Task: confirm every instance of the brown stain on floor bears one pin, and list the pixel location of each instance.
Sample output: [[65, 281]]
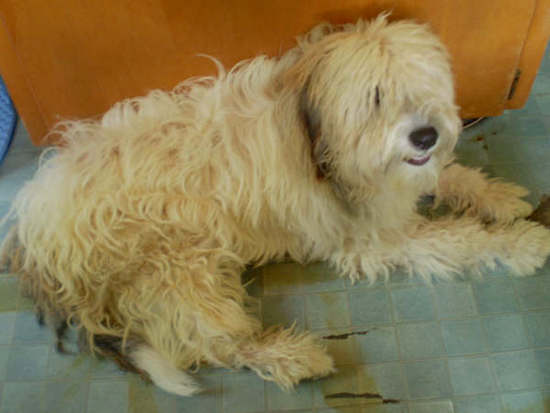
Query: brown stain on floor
[[351, 388], [481, 138], [345, 335], [542, 213], [368, 396]]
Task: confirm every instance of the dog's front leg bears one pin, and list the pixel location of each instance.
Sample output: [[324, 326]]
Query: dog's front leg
[[472, 192], [448, 247]]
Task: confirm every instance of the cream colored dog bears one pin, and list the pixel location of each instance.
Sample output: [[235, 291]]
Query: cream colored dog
[[139, 227]]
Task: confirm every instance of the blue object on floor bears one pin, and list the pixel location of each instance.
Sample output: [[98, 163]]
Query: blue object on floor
[[8, 120]]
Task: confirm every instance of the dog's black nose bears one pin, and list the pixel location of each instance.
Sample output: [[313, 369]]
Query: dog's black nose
[[424, 138]]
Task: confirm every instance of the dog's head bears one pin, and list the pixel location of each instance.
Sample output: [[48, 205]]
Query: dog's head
[[377, 100]]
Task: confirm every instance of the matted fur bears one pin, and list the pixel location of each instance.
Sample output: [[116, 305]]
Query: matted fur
[[140, 225]]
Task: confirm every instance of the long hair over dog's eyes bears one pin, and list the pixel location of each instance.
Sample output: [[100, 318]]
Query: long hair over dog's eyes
[[377, 97]]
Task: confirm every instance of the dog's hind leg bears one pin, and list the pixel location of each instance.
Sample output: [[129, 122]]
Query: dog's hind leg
[[470, 191], [204, 318], [234, 338], [231, 335]]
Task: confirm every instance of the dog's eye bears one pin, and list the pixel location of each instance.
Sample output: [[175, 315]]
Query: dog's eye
[[377, 97]]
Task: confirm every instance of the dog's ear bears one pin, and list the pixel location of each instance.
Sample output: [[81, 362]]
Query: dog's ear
[[297, 79], [309, 115], [311, 119]]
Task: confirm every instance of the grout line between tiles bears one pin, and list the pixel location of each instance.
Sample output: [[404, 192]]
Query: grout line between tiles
[[492, 368], [530, 340], [404, 379]]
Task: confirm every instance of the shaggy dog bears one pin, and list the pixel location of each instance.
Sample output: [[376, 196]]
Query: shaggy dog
[[139, 227]]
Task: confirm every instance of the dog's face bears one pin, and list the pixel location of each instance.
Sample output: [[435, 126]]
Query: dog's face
[[377, 100]]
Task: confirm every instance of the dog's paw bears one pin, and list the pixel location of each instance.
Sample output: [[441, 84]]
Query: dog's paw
[[287, 357], [502, 202], [527, 247], [310, 362], [318, 362]]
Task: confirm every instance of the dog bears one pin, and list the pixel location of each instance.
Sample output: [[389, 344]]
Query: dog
[[139, 226]]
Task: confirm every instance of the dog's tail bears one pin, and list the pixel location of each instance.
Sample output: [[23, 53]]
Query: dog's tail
[[163, 373], [142, 359]]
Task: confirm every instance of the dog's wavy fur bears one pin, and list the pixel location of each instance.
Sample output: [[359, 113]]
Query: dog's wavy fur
[[141, 223]]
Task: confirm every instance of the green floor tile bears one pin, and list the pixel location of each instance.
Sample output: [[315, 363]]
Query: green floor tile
[[517, 370], [495, 297], [442, 406], [413, 304], [455, 300], [22, 397], [477, 404], [428, 379], [385, 379], [66, 396], [299, 398], [471, 376], [233, 400], [108, 396], [327, 310], [27, 362], [284, 310], [379, 345], [420, 340], [532, 402], [369, 306], [506, 332], [463, 337]]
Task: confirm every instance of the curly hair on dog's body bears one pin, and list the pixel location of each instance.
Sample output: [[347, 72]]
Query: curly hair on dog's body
[[140, 225]]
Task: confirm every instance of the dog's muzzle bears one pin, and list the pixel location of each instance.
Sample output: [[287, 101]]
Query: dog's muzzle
[[422, 139]]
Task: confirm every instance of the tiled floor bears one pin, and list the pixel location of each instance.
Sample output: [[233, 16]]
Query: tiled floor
[[463, 347]]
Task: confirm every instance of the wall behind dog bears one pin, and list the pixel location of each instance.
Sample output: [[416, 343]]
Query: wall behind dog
[[66, 59]]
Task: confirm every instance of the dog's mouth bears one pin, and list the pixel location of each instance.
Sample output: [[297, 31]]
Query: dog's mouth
[[419, 161]]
